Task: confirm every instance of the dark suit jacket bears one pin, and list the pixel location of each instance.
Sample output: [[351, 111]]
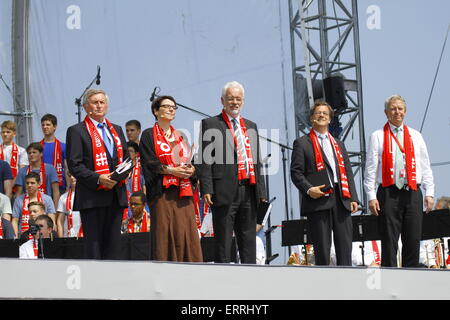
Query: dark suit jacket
[[304, 162], [81, 166], [153, 167], [218, 161]]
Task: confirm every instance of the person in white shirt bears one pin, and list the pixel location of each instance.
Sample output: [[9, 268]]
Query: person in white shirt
[[10, 152], [397, 167], [68, 221], [44, 224]]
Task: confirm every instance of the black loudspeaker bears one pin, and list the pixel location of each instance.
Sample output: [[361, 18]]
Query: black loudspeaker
[[335, 92]]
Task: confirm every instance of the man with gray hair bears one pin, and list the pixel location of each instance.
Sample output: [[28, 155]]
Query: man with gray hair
[[231, 181], [397, 166], [95, 147]]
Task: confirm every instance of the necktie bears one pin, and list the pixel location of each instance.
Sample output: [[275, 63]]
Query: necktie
[[240, 141], [106, 139], [326, 147], [399, 164]]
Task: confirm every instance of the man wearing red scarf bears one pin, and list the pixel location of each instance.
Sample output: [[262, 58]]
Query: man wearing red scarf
[[94, 149], [397, 165], [231, 181], [319, 154]]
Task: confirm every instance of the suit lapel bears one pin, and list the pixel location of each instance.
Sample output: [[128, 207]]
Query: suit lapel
[[228, 135]]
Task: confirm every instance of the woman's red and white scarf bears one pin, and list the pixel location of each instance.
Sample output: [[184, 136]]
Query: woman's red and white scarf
[[172, 156]]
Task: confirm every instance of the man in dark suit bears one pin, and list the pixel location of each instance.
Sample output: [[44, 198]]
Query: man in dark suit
[[230, 177], [94, 148], [326, 210]]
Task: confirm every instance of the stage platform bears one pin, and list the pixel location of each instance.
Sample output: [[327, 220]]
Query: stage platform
[[148, 280]]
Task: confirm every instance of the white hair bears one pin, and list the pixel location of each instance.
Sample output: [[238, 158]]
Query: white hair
[[394, 97], [232, 84], [92, 92]]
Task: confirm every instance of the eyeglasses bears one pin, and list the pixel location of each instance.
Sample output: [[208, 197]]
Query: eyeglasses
[[231, 99], [168, 106]]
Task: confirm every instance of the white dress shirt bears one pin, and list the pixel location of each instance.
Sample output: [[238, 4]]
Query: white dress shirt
[[373, 172], [99, 130], [326, 140]]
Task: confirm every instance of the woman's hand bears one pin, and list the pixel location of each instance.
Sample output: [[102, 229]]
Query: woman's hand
[[184, 172]]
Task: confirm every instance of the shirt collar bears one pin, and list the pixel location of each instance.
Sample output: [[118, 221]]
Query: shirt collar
[[238, 118], [393, 128], [95, 122], [320, 134]]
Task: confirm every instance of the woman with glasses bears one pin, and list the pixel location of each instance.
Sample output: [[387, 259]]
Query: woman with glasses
[[170, 179]]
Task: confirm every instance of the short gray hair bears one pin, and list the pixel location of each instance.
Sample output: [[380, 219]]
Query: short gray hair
[[92, 92], [232, 84], [394, 97]]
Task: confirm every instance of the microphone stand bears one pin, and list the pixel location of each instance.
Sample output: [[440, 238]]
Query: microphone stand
[[41, 244], [78, 100], [285, 189]]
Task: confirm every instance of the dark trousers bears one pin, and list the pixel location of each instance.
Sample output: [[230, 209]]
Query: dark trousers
[[101, 228], [401, 214], [322, 224], [239, 216]]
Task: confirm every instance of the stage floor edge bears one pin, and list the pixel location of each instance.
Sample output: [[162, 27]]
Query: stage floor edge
[[148, 280]]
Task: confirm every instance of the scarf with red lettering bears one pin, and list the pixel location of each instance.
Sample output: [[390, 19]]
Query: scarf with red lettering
[[242, 170], [136, 175], [99, 150], [43, 185], [166, 155], [133, 226], [25, 225], [197, 208], [376, 251], [320, 164], [14, 161], [57, 160], [69, 203], [387, 164]]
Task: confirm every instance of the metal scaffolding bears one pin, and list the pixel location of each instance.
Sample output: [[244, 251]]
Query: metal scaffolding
[[329, 44], [21, 90]]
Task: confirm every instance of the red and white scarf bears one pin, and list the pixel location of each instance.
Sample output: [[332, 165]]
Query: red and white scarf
[[320, 164], [14, 161], [25, 225], [136, 175], [165, 153], [43, 185], [133, 227], [242, 169], [69, 203], [99, 150], [57, 160], [387, 165]]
